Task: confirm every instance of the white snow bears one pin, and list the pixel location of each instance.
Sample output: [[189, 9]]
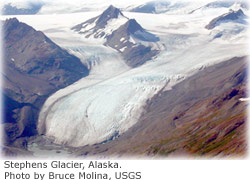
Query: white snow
[[111, 99], [122, 39], [236, 6], [244, 99], [131, 39], [122, 49], [114, 24]]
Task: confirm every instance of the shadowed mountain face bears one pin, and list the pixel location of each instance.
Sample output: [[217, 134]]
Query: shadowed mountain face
[[201, 116], [34, 68], [237, 16], [121, 33]]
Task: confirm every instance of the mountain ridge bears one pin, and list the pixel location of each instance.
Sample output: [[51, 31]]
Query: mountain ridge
[[34, 68]]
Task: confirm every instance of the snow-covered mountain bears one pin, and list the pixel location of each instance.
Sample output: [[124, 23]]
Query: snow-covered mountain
[[15, 9], [159, 7], [226, 4], [102, 25], [182, 7], [236, 16], [223, 5], [121, 33]]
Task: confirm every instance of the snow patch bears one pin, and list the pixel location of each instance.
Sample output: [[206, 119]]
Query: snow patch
[[244, 99], [131, 39], [122, 49]]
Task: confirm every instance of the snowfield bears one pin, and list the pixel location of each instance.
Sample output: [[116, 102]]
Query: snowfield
[[111, 99]]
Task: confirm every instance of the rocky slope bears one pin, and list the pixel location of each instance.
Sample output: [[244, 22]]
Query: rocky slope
[[121, 33], [34, 68], [204, 115]]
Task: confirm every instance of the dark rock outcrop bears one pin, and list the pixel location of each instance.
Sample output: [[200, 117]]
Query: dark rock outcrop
[[34, 68]]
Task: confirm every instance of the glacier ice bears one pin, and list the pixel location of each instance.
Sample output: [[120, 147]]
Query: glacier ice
[[111, 99]]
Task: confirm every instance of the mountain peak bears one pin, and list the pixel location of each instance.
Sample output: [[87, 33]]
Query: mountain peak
[[110, 13], [96, 26], [235, 14], [111, 8], [239, 12], [11, 21], [14, 24]]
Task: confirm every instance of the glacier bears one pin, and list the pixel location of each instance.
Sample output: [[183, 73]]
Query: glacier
[[112, 98]]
